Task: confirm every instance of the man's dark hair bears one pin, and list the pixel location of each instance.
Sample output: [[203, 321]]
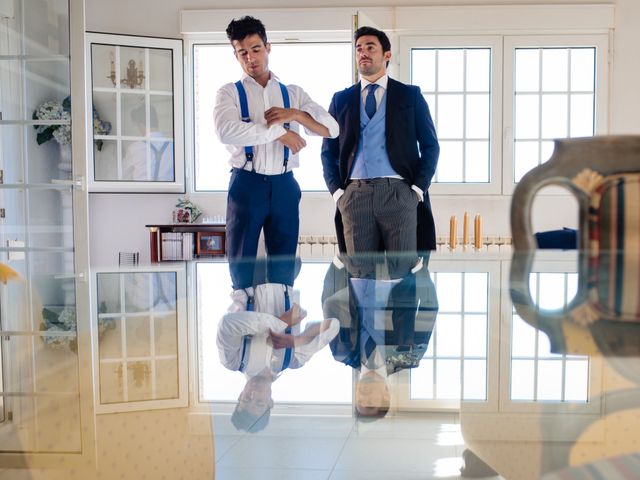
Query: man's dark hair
[[382, 37], [243, 420], [245, 26]]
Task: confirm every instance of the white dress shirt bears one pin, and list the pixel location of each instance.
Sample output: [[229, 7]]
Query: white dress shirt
[[379, 94], [235, 326], [380, 91], [268, 152]]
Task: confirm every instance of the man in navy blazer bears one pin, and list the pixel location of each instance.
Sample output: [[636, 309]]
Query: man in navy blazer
[[380, 167]]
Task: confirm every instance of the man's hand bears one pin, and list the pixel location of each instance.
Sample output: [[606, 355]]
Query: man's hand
[[294, 315], [278, 115], [292, 140], [282, 340]]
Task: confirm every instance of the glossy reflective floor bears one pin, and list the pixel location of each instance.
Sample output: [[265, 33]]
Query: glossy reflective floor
[[461, 365]]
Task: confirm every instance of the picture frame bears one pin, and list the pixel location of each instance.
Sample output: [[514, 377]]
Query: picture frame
[[210, 243]]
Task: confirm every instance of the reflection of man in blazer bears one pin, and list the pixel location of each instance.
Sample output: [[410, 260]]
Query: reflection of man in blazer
[[386, 306], [380, 166]]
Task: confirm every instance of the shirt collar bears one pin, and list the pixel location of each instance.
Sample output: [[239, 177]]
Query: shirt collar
[[382, 82], [247, 78]]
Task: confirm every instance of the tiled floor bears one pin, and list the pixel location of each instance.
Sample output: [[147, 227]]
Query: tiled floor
[[416, 446]]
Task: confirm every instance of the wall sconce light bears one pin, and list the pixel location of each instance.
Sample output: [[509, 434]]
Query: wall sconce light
[[112, 73], [135, 75]]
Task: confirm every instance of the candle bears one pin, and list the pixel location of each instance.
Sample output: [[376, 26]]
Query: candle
[[465, 229], [453, 231], [477, 232]]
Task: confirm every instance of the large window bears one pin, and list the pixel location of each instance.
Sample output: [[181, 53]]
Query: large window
[[496, 119], [456, 82], [554, 97], [554, 87], [321, 69]]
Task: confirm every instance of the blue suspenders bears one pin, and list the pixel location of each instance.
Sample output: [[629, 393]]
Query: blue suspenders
[[288, 351], [247, 339], [244, 113]]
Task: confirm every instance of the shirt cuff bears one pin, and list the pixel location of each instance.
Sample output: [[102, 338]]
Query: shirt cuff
[[276, 131], [419, 191], [337, 194]]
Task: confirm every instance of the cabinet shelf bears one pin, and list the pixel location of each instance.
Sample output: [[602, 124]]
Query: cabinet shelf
[[206, 240]]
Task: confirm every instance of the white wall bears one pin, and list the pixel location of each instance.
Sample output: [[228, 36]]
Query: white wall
[[316, 209], [132, 17]]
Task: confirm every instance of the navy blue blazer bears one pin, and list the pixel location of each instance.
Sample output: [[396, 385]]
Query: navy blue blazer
[[412, 307], [412, 146]]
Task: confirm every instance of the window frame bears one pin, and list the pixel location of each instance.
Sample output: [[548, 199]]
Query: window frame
[[276, 37], [502, 85], [182, 399], [403, 381], [179, 163], [593, 406], [494, 43], [511, 43]]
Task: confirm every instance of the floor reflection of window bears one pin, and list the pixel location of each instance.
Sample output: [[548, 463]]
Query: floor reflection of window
[[455, 364], [320, 380], [536, 373], [138, 340]]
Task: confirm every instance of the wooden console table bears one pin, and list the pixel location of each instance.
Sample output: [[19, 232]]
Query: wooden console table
[[208, 239]]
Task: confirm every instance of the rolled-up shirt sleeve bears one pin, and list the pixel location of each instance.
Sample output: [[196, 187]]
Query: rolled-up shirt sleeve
[[230, 128], [303, 353], [235, 326], [318, 113]]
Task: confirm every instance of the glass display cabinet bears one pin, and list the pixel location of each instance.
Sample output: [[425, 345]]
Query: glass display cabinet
[[41, 375], [135, 87]]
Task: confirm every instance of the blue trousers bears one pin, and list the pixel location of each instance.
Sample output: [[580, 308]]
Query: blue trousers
[[256, 202]]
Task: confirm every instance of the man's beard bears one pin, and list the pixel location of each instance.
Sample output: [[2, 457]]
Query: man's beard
[[368, 70]]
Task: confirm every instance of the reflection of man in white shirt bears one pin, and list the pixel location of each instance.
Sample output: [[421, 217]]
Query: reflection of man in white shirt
[[264, 144], [160, 165], [264, 342]]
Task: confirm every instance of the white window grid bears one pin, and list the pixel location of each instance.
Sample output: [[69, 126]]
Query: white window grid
[[463, 180], [552, 285], [148, 308], [566, 287], [433, 358], [124, 316], [103, 99], [120, 92], [541, 95], [436, 96], [600, 45], [502, 142], [466, 300]]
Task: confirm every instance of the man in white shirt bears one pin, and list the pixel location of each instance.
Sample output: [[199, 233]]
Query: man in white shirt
[[261, 337], [258, 118]]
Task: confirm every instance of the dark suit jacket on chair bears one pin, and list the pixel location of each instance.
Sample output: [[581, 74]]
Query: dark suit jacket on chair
[[412, 146]]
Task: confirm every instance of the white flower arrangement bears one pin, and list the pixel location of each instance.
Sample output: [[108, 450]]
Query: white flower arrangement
[[56, 111]]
